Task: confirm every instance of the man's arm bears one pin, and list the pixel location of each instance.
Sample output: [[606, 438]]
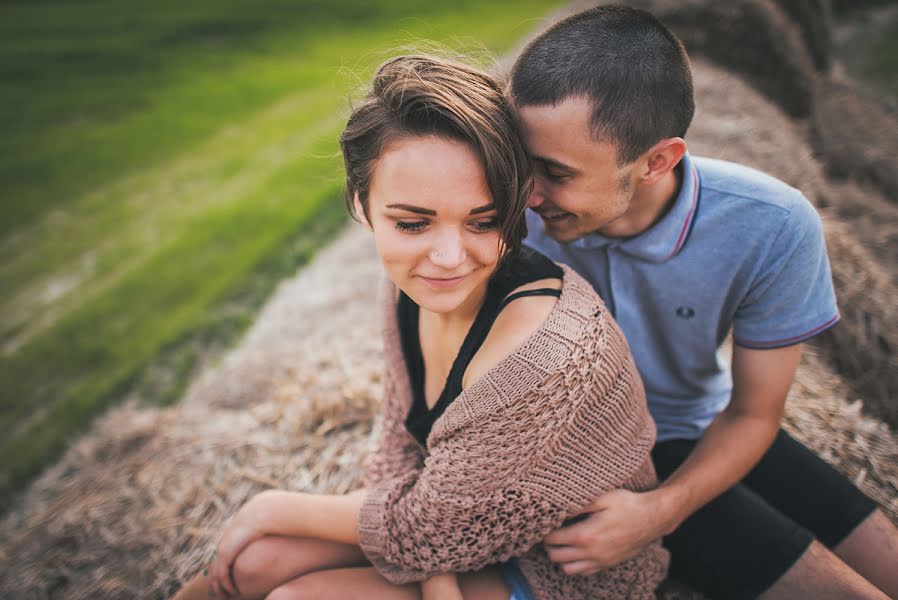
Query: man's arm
[[624, 522]]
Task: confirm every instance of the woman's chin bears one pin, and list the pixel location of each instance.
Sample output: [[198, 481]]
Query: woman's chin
[[436, 299], [439, 303]]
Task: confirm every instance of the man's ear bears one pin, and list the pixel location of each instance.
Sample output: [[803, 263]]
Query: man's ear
[[661, 159], [359, 212]]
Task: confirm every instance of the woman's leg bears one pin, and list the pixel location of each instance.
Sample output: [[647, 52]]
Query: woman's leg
[[366, 582], [272, 560]]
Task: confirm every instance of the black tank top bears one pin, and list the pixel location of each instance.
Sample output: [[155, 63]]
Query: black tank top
[[526, 267]]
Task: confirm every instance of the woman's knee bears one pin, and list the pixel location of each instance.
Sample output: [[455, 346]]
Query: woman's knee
[[302, 588], [255, 566]]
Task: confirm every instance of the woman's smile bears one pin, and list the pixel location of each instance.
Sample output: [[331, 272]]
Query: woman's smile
[[443, 282]]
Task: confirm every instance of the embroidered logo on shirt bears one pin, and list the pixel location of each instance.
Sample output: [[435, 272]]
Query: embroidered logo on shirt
[[685, 312]]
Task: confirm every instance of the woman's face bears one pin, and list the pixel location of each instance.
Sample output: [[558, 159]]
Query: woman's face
[[434, 222]]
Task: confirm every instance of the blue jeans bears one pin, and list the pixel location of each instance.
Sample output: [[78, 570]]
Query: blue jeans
[[514, 579]]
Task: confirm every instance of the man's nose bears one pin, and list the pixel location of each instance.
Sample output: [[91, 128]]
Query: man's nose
[[449, 251]]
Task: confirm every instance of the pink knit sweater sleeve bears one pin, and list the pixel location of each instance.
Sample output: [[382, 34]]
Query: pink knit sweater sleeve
[[545, 431], [396, 452]]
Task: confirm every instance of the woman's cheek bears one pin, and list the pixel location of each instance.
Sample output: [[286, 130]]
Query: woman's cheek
[[487, 247], [401, 253]]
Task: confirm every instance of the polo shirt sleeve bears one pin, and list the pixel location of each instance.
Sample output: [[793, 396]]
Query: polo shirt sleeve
[[791, 298]]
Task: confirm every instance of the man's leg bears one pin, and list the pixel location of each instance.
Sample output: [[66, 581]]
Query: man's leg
[[872, 550], [739, 546], [801, 485], [820, 574]]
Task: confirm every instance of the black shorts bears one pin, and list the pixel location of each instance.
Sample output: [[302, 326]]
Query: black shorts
[[740, 543]]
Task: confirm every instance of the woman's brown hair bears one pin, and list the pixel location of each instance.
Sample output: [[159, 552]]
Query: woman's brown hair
[[413, 96]]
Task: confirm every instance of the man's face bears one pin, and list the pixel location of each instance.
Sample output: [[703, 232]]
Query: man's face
[[580, 188]]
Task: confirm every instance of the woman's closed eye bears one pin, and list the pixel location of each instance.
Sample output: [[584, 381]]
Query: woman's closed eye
[[485, 225], [480, 226], [411, 226]]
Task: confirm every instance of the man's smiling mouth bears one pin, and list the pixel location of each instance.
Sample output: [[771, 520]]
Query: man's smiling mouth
[[552, 217]]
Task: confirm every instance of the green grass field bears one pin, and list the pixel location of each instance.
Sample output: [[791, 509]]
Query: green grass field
[[162, 165]]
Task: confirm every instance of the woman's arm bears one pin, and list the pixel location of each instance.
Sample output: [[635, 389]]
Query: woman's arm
[[441, 587], [396, 451], [278, 512], [526, 445]]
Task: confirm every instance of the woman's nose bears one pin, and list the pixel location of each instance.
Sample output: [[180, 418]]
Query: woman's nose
[[448, 252]]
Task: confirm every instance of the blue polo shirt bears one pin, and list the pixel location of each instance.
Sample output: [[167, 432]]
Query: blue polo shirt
[[738, 250]]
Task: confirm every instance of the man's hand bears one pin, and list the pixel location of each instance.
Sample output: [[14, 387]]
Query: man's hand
[[621, 525]]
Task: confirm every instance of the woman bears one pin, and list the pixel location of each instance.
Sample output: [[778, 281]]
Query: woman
[[510, 401]]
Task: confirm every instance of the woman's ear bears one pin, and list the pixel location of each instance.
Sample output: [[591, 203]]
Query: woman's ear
[[359, 211]]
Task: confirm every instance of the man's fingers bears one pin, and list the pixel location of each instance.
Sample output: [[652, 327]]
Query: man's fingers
[[565, 554], [581, 567], [572, 535]]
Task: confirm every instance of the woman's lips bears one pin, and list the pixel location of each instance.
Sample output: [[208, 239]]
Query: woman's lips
[[443, 282]]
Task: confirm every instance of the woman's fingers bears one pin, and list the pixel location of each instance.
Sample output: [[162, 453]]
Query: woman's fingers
[[219, 581], [233, 540], [214, 585]]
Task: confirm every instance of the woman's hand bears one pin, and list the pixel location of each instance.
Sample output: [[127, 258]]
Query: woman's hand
[[247, 525], [441, 587]]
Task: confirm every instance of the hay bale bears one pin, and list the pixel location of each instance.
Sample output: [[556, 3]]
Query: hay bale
[[864, 346], [135, 507], [754, 38], [857, 133], [845, 6], [814, 21]]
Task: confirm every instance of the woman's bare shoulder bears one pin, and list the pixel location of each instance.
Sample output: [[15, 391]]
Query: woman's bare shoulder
[[520, 319]]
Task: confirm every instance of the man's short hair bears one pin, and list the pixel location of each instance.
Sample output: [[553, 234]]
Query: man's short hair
[[631, 68]]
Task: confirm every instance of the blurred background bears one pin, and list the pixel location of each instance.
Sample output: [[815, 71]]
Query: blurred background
[[165, 165]]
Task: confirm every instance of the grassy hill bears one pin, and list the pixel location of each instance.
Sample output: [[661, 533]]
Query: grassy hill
[[162, 165]]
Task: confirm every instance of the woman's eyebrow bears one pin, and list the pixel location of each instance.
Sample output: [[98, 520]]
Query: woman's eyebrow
[[432, 213], [483, 209], [414, 209]]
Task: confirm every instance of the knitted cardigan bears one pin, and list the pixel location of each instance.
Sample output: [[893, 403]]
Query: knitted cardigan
[[539, 436]]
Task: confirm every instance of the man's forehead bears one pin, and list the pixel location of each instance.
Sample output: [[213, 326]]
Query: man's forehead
[[574, 111], [561, 135], [554, 163]]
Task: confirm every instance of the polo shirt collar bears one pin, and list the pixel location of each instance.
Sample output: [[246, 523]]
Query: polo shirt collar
[[665, 238]]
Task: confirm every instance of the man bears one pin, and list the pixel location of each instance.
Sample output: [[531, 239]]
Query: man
[[685, 250]]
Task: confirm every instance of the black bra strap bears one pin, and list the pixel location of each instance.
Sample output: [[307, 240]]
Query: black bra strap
[[524, 293]]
